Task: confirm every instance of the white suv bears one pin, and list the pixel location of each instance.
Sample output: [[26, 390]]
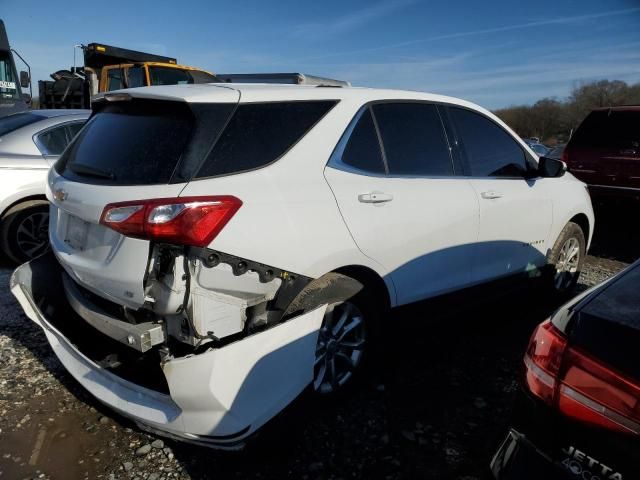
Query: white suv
[[218, 248]]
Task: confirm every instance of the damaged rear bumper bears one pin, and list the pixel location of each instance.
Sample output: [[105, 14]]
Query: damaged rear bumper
[[216, 398]]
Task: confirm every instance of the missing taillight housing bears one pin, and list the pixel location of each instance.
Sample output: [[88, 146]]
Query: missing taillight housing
[[192, 221], [578, 385]]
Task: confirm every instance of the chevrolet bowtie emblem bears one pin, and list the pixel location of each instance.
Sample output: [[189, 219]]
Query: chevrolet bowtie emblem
[[60, 195]]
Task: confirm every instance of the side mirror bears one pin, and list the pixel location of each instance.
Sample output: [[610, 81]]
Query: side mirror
[[24, 79], [27, 98], [551, 168]]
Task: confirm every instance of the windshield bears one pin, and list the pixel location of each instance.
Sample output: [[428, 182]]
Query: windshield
[[9, 86], [177, 76]]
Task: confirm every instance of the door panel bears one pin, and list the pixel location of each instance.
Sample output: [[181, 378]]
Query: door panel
[[515, 219], [515, 211], [393, 179], [422, 232]]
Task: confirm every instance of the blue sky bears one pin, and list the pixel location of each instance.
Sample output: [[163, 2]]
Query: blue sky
[[493, 53]]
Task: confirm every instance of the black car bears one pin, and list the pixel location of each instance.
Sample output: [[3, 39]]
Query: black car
[[577, 415]]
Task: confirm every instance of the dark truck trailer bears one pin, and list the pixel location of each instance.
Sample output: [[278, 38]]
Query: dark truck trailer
[[11, 98]]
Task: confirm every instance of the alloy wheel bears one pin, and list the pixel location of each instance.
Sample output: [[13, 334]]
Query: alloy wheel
[[32, 237], [567, 265], [340, 347]]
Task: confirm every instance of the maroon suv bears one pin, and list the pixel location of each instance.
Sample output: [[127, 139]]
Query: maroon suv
[[604, 152]]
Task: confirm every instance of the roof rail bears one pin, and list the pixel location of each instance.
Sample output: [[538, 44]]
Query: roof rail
[[282, 78]]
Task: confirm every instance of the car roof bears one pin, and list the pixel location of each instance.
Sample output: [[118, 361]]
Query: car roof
[[618, 301], [257, 92], [620, 108]]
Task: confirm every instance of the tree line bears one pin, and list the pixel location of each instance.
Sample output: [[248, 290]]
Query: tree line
[[552, 120]]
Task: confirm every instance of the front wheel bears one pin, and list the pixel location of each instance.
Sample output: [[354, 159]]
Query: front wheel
[[566, 259]]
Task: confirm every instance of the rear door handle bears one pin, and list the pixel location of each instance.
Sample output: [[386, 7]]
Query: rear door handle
[[374, 197], [490, 194]]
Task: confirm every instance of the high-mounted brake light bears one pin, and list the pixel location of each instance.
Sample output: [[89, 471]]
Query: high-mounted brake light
[[184, 221], [580, 386]]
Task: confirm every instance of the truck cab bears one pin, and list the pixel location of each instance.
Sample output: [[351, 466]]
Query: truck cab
[[107, 68], [143, 74], [11, 98]]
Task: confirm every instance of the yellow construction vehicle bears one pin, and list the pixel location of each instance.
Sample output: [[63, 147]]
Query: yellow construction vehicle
[[109, 68]]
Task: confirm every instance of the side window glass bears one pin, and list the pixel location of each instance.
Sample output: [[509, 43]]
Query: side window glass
[[73, 129], [490, 151], [169, 76], [114, 79], [53, 142], [135, 77], [413, 138], [362, 151]]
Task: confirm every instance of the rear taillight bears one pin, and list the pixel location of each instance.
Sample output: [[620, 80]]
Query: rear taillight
[[580, 386], [565, 155], [185, 221]]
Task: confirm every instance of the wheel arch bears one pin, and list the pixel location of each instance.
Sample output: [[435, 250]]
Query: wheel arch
[[337, 285], [371, 279], [20, 200], [582, 221]]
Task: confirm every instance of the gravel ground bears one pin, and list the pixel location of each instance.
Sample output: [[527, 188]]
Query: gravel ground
[[435, 405]]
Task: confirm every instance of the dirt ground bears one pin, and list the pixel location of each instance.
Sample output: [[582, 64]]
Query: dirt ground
[[435, 404]]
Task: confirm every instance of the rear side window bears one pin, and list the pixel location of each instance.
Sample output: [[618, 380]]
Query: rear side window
[[362, 151], [126, 143], [413, 138], [260, 133], [53, 141], [613, 129], [489, 150]]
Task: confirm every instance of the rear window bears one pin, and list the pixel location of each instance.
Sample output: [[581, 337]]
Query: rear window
[[609, 129], [14, 122], [260, 133], [126, 143]]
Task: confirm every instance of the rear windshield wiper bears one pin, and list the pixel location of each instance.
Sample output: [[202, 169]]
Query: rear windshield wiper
[[89, 171]]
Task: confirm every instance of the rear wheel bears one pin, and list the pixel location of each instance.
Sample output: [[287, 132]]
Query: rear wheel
[[340, 349], [24, 232], [566, 259]]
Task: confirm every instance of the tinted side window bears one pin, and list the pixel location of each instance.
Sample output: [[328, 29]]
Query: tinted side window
[[259, 133], [413, 139], [168, 76], [362, 151], [490, 151], [73, 129], [114, 79], [135, 77], [54, 141], [609, 129]]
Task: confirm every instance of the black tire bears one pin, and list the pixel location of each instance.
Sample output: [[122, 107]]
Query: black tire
[[564, 270], [24, 231], [363, 305]]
